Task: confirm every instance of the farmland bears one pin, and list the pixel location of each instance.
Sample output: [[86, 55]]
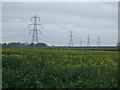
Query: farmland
[[48, 68]]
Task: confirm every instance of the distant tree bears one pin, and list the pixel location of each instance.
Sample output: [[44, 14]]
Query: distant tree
[[118, 44], [31, 44], [18, 43], [40, 45], [25, 44], [4, 45], [14, 44], [53, 45], [1, 45]]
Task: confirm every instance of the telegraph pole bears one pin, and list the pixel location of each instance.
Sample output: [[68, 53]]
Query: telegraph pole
[[34, 29], [88, 41], [70, 38]]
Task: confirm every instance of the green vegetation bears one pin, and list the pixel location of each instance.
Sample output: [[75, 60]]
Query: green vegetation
[[39, 68]]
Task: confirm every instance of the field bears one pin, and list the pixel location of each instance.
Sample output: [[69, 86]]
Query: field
[[40, 68]]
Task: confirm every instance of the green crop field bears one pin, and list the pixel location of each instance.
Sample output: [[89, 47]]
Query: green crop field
[[39, 68]]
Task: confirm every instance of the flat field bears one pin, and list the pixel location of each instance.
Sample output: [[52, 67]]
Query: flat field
[[50, 68]]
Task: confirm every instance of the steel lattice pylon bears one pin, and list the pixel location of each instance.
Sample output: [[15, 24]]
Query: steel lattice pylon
[[70, 38], [35, 20]]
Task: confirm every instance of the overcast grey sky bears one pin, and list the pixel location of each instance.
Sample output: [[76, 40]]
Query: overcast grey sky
[[58, 18]]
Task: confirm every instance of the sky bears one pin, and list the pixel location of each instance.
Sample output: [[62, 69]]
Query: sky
[[97, 19]]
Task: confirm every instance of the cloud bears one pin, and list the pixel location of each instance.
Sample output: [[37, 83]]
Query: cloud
[[59, 18]]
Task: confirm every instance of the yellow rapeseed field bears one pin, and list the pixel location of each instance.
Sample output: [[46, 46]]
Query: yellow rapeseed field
[[48, 68]]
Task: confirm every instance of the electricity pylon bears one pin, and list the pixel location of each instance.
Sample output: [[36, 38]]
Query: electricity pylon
[[81, 41], [88, 41], [70, 39], [98, 41], [34, 29]]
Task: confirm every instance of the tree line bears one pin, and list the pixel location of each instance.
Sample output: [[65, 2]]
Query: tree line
[[19, 44]]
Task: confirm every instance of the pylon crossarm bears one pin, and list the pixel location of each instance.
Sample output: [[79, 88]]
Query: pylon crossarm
[[38, 18], [32, 18], [40, 25], [39, 31], [29, 25], [30, 31]]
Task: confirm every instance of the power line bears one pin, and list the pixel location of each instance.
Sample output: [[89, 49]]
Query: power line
[[14, 37], [35, 19], [12, 30]]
